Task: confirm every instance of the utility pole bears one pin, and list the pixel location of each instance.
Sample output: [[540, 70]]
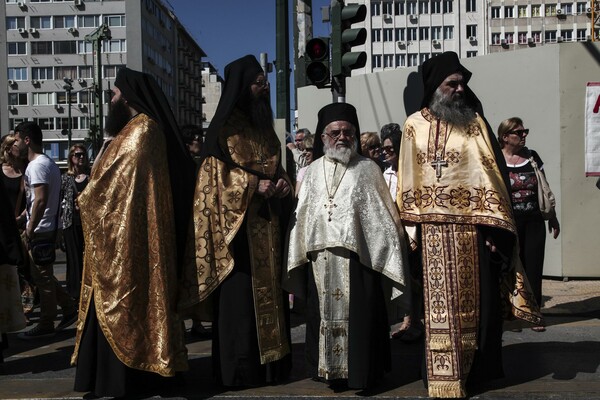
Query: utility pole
[[97, 129], [68, 86], [282, 63]]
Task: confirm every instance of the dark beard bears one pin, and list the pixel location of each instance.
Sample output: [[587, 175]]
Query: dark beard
[[261, 113], [454, 110], [118, 117]]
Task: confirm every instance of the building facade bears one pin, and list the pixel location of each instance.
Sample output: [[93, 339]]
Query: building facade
[[212, 84], [47, 51], [404, 33]]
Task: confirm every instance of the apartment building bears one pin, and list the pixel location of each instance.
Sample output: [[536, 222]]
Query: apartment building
[[212, 84], [405, 33], [46, 52]]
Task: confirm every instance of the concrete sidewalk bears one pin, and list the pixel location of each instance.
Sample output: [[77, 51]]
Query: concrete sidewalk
[[561, 363]]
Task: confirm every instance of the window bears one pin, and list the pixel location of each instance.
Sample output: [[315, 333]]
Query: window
[[522, 37], [471, 6], [400, 34], [398, 8], [13, 122], [63, 123], [116, 46], [423, 33], [17, 73], [375, 8], [41, 48], [41, 22], [64, 21], [17, 48], [567, 35], [522, 11], [376, 35], [508, 11], [15, 22], [436, 32], [510, 37], [448, 32], [581, 35], [424, 7], [376, 61], [388, 61], [46, 123], [412, 60], [436, 6], [84, 47], [110, 71], [86, 72], [496, 38], [88, 21], [388, 35], [537, 36], [495, 12], [42, 73], [581, 7], [411, 34], [536, 10], [567, 8], [411, 7], [17, 99], [42, 99], [550, 10], [471, 54], [471, 31], [65, 72], [400, 60], [424, 57], [550, 36], [387, 8], [84, 97], [84, 122], [61, 97], [65, 47], [447, 6]]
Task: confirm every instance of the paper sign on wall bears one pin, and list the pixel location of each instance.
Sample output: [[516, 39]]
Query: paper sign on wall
[[592, 129]]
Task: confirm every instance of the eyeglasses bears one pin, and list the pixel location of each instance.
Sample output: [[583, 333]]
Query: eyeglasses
[[335, 134], [389, 149], [261, 83], [374, 147], [520, 132], [79, 155]]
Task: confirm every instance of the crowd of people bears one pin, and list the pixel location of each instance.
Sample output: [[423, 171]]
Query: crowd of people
[[434, 225]]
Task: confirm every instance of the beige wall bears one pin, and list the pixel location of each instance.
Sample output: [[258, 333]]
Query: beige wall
[[543, 85]]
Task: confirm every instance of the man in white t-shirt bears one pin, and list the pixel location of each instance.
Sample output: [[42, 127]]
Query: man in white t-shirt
[[42, 188]]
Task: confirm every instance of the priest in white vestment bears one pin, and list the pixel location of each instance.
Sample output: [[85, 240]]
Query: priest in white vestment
[[347, 256]]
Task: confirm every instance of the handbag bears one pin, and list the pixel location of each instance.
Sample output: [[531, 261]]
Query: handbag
[[546, 198], [43, 251]]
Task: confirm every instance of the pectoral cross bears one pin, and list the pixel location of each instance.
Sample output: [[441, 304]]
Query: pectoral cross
[[330, 206], [338, 294], [438, 164], [262, 161]]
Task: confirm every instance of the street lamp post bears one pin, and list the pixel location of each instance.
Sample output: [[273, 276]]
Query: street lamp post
[[68, 88]]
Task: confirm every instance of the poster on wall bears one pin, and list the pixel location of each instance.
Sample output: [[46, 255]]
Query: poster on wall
[[592, 129]]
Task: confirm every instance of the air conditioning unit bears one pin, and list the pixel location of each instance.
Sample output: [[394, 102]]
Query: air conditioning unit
[[560, 39], [57, 107], [559, 12], [530, 40], [472, 39], [21, 4], [81, 105], [11, 82], [12, 108], [72, 30], [21, 30], [35, 82], [401, 44], [588, 10], [32, 30], [413, 16], [81, 80], [387, 17], [77, 3], [435, 42], [502, 42]]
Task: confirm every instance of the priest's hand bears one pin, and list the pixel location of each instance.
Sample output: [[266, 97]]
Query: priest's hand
[[282, 188], [266, 188]]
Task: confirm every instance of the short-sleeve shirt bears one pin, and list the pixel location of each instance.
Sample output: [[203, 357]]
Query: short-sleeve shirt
[[524, 187], [43, 171]]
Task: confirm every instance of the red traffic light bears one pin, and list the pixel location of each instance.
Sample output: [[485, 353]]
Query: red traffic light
[[317, 49]]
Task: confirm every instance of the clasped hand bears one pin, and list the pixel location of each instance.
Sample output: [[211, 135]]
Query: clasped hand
[[268, 188]]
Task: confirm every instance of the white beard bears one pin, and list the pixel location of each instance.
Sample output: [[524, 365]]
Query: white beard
[[343, 155]]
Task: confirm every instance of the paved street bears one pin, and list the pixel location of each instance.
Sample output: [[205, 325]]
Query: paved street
[[561, 363]]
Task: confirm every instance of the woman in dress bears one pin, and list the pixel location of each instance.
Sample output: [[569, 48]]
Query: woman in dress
[[73, 182], [12, 174], [531, 227]]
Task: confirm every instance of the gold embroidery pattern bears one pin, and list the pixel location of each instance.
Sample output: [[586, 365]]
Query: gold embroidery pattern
[[488, 162], [453, 156], [409, 132], [421, 158], [473, 130]]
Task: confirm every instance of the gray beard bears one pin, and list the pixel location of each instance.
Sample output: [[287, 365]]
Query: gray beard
[[454, 111], [343, 155]]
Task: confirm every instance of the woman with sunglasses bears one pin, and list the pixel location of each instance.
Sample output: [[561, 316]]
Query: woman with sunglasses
[[370, 146], [531, 227], [73, 182]]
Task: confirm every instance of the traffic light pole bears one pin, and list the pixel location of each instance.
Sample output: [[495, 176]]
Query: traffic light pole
[[282, 63], [338, 89]]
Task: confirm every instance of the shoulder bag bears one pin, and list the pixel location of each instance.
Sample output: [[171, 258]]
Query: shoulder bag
[[546, 198]]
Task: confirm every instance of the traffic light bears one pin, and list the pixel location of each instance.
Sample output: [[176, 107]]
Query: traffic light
[[317, 61], [343, 38]]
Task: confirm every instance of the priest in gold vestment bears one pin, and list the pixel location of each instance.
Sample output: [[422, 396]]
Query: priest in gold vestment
[[454, 202], [233, 259], [346, 257], [129, 337]]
